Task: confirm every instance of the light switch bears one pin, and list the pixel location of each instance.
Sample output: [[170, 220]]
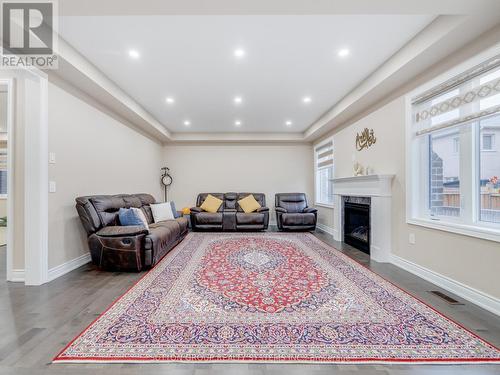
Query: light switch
[[52, 157], [411, 238], [52, 186]]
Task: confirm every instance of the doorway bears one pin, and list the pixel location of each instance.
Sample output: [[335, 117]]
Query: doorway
[[6, 109]]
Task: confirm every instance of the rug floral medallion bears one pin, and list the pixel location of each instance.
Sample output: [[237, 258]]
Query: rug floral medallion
[[272, 297]]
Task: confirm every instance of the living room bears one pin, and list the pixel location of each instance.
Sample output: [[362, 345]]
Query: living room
[[311, 187]]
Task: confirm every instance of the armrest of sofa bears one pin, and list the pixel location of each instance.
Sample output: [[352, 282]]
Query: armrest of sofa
[[262, 209], [122, 231], [309, 210], [196, 210], [281, 210]]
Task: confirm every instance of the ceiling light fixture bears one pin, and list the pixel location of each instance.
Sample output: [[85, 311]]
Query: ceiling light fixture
[[238, 99], [239, 53], [237, 123], [306, 99], [288, 123], [170, 100], [343, 52], [134, 54], [187, 123]]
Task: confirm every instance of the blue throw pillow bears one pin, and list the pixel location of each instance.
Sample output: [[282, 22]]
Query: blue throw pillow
[[174, 211], [132, 216]]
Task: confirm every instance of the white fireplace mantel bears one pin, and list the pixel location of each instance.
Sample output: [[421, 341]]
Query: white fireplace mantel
[[379, 189]]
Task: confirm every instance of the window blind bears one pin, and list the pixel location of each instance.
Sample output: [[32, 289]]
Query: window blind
[[324, 155], [472, 95]]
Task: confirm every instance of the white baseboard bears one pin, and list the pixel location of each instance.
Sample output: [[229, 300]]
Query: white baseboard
[[325, 228], [486, 301], [17, 276], [69, 266]]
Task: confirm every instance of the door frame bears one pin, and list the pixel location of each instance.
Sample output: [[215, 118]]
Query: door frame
[[36, 188], [9, 83]]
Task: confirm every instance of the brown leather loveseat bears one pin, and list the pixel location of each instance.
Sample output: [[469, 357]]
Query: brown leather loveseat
[[230, 216], [118, 247]]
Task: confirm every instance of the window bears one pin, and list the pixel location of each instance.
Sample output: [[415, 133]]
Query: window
[[487, 142], [454, 171], [323, 161], [489, 172], [443, 170]]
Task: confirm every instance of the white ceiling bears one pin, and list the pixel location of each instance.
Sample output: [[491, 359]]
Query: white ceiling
[[190, 58]]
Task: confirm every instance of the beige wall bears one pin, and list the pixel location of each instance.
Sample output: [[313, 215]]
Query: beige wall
[[471, 261], [260, 168], [95, 154]]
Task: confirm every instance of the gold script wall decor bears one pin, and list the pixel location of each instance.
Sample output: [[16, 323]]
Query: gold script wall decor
[[365, 139]]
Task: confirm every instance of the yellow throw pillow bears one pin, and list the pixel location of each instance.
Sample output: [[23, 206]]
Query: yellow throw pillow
[[249, 204], [211, 204]]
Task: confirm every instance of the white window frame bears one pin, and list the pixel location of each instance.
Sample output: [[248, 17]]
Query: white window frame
[[316, 202], [492, 149], [471, 226]]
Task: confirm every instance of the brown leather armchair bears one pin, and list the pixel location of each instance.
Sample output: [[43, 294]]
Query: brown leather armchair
[[292, 212], [116, 247], [230, 216]]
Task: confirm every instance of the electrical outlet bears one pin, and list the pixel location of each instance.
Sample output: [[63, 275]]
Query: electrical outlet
[[52, 186], [411, 238]]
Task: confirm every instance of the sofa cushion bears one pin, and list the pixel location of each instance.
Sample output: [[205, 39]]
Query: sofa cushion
[[119, 231], [259, 197], [292, 202], [211, 204], [249, 204], [249, 219], [209, 218], [164, 231], [132, 216], [162, 211], [183, 223], [298, 219]]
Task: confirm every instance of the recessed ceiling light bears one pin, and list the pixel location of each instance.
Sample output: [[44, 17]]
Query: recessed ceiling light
[[170, 100], [187, 123], [306, 99], [238, 99], [288, 123], [134, 54], [237, 123], [239, 53], [343, 52]]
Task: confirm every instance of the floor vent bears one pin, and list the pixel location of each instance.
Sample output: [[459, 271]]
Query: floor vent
[[447, 298]]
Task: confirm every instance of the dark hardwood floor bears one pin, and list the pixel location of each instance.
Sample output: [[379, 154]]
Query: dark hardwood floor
[[37, 322]]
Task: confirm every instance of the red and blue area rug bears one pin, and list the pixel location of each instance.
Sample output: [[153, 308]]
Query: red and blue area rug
[[270, 297]]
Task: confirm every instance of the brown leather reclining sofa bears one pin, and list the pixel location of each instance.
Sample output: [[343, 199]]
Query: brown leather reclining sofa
[[118, 247], [230, 216]]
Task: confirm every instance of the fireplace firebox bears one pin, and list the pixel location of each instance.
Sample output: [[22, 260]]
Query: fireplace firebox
[[357, 224]]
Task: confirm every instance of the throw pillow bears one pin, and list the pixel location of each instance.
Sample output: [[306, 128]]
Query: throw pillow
[[211, 204], [249, 204], [132, 216], [174, 211], [162, 211]]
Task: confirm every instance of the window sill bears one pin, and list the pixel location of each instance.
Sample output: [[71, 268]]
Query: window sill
[[483, 232], [323, 205]]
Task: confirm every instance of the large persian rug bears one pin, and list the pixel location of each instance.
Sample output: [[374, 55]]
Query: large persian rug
[[270, 297]]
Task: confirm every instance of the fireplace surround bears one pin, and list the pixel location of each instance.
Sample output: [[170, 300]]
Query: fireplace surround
[[377, 190]]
